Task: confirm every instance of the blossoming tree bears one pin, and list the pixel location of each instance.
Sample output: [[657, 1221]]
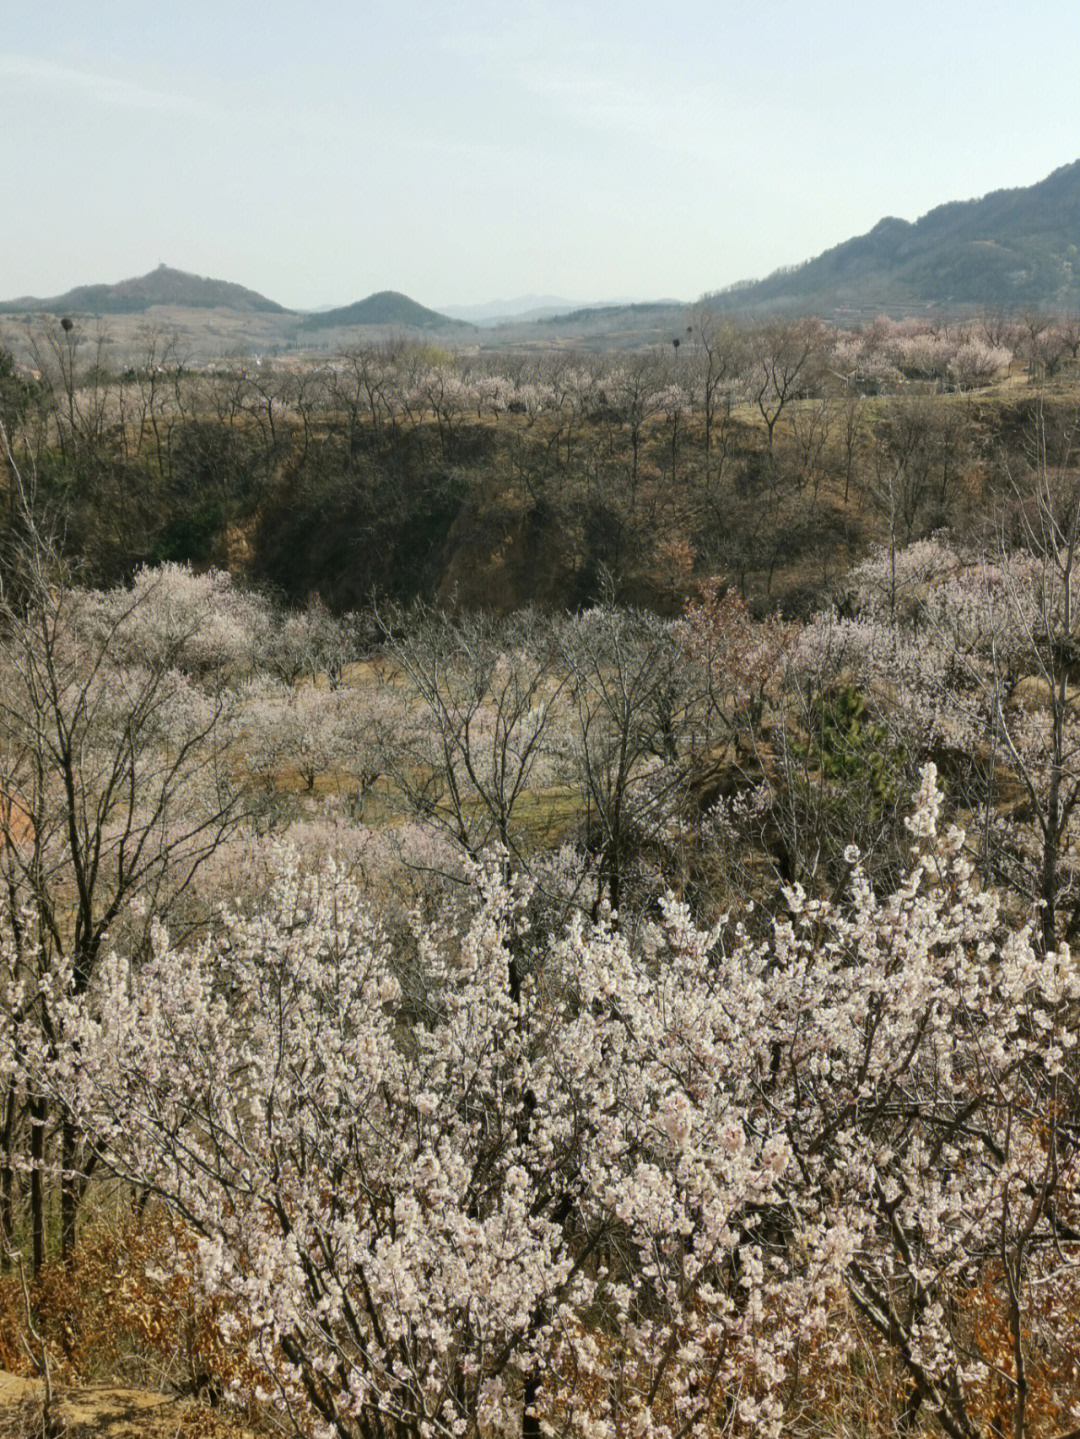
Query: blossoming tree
[[638, 1193]]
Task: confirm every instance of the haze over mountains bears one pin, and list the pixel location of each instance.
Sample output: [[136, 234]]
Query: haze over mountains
[[529, 307], [524, 307], [1010, 249]]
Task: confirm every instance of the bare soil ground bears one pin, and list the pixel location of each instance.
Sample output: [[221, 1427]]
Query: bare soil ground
[[106, 1412]]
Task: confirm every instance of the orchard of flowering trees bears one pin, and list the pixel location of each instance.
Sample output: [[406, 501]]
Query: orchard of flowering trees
[[567, 1023]]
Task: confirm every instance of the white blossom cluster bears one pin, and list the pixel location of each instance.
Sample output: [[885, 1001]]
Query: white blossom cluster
[[617, 1184]]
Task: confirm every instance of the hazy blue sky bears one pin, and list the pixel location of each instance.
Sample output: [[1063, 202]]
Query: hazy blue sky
[[318, 151]]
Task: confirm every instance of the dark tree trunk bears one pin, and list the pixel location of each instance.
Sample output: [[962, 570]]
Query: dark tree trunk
[[38, 1117]]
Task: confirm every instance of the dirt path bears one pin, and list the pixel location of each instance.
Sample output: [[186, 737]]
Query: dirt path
[[110, 1413]]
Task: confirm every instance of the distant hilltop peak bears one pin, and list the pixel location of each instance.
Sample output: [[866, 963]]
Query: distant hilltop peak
[[890, 223], [385, 307], [163, 286]]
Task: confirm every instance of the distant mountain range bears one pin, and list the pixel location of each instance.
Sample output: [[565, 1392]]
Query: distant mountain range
[[526, 308], [176, 288], [1011, 249]]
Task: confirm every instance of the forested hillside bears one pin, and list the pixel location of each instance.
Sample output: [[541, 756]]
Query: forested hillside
[[1010, 248]]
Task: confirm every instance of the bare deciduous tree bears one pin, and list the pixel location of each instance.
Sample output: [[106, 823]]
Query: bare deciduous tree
[[116, 786]]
